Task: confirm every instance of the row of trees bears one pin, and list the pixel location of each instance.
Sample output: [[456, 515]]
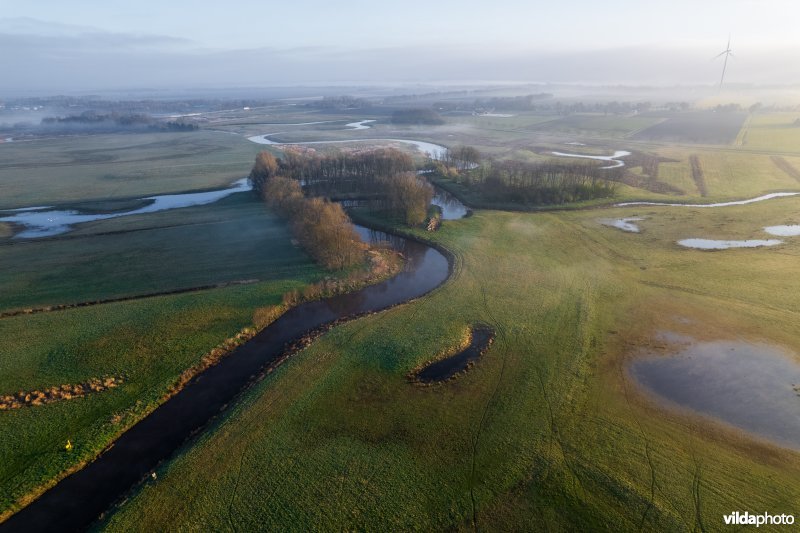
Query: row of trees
[[90, 121], [334, 173], [520, 182], [462, 158], [545, 183], [321, 227]]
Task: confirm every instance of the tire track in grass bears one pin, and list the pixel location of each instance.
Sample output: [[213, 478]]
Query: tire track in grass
[[698, 175], [501, 335], [654, 486], [786, 167], [697, 481]]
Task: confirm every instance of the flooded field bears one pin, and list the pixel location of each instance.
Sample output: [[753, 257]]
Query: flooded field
[[784, 231], [753, 386]]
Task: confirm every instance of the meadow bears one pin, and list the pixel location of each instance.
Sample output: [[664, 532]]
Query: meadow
[[147, 342], [234, 239], [773, 131], [64, 170], [547, 431]]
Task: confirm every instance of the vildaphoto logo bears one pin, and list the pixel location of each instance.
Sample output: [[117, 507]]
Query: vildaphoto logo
[[758, 520]]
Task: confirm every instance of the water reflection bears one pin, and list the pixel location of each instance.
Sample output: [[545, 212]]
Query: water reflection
[[752, 386], [46, 222]]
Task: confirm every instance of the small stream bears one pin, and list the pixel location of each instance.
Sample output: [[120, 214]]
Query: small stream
[[615, 159]]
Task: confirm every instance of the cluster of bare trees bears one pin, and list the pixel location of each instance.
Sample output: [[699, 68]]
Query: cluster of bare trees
[[462, 158], [407, 196], [383, 177], [336, 173], [545, 183], [321, 227]]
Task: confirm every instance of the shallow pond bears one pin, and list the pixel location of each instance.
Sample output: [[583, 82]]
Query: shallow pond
[[713, 244], [438, 371], [755, 387], [361, 125], [625, 224], [784, 231]]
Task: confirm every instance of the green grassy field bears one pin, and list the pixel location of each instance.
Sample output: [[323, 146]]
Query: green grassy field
[[773, 131], [68, 169], [547, 432], [606, 126], [147, 342], [234, 239]]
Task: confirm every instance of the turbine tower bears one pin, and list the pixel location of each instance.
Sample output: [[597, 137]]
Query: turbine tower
[[727, 53]]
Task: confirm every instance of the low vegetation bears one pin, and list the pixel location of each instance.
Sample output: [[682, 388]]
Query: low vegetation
[[547, 429]]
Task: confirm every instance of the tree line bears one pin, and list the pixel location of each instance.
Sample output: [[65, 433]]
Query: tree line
[[299, 185], [109, 122], [320, 226]]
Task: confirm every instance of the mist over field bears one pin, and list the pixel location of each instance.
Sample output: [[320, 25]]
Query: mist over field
[[310, 43]]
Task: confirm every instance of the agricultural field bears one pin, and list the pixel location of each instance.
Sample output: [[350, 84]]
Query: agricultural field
[[606, 126], [777, 132], [728, 173], [700, 127], [548, 428]]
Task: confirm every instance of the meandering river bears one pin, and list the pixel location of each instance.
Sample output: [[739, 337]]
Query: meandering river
[[79, 499]]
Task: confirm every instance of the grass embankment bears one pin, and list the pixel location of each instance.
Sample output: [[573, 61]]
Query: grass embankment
[[148, 343], [546, 432]]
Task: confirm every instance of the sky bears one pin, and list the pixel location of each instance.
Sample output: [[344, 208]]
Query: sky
[[85, 45]]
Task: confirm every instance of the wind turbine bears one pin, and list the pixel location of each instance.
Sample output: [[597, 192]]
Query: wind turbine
[[727, 53]]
